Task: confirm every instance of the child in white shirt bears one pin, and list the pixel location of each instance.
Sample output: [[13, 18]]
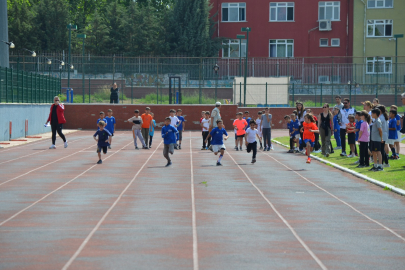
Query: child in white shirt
[[205, 124], [250, 139]]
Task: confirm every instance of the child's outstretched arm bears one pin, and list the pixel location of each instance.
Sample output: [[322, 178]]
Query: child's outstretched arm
[[209, 136], [314, 130]]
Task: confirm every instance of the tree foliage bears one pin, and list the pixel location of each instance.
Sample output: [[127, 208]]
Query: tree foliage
[[121, 27]]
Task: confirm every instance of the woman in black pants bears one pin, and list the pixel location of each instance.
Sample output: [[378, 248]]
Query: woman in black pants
[[114, 94], [57, 119]]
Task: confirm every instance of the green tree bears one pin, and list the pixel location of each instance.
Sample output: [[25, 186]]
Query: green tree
[[52, 17], [97, 34], [20, 24], [114, 14]]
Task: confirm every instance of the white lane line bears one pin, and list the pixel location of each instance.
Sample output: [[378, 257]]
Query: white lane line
[[79, 250], [334, 196], [7, 181], [36, 152], [62, 186], [195, 243], [283, 219]]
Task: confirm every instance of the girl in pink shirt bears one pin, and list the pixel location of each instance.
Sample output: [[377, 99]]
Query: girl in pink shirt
[[364, 139]]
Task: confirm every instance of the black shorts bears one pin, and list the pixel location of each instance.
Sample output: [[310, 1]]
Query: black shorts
[[375, 146], [104, 148], [351, 138], [240, 136]]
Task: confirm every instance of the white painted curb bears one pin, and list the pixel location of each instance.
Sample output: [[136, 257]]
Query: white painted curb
[[362, 176]]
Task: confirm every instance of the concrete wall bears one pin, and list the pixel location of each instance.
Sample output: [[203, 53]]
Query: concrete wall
[[17, 113]]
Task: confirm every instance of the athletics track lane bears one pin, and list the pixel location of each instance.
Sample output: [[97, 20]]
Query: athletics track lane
[[151, 226]]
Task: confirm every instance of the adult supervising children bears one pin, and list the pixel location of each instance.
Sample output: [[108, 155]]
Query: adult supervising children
[[266, 129], [217, 143], [169, 135], [57, 119], [146, 123]]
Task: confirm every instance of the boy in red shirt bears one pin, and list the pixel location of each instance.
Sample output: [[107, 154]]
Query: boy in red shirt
[[308, 129], [240, 125]]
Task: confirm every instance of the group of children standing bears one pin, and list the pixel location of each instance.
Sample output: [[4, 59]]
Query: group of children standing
[[374, 129]]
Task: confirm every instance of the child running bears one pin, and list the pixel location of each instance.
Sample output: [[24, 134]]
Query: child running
[[250, 139], [102, 118], [217, 135], [174, 122], [239, 124], [205, 125], [136, 129], [169, 139], [309, 128], [259, 128], [110, 125], [180, 126], [152, 130], [104, 137]]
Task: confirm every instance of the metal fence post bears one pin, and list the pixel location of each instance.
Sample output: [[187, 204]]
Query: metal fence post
[[199, 82], [132, 91], [12, 87], [122, 94], [1, 84], [6, 69], [89, 91], [31, 89], [293, 91], [157, 80], [266, 94], [321, 93], [22, 90], [240, 94]]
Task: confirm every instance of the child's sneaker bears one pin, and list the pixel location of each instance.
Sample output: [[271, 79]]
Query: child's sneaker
[[379, 169], [240, 148], [374, 168], [109, 147], [343, 154], [66, 144], [219, 164], [337, 148], [236, 148], [253, 160], [145, 147], [99, 162], [202, 148], [136, 148], [261, 148], [290, 151], [168, 164], [386, 165], [271, 148], [309, 160], [268, 148], [52, 147], [175, 147]]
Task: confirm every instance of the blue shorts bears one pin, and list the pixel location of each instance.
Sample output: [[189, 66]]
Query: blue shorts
[[309, 141]]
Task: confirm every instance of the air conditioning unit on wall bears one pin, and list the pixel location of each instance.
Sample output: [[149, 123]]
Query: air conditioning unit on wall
[[325, 25]]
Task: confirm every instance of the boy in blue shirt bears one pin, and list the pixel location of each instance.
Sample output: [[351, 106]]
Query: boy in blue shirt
[[102, 118], [291, 132], [397, 144], [152, 130], [217, 143], [104, 137], [336, 125], [110, 125], [180, 126], [169, 139], [392, 132]]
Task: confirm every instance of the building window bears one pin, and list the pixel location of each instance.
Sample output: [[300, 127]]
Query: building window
[[329, 11], [323, 42], [379, 65], [335, 42], [379, 28], [281, 48], [232, 49], [281, 12], [380, 3], [233, 12]]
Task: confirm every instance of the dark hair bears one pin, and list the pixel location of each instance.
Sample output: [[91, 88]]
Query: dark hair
[[252, 122], [147, 108], [168, 118], [383, 111], [358, 113], [101, 112], [338, 97], [295, 112], [366, 115], [179, 110], [310, 117], [246, 111], [346, 99], [109, 110], [136, 111], [239, 113], [351, 116], [394, 112], [207, 113], [259, 112], [172, 111], [219, 121], [286, 116], [376, 111]]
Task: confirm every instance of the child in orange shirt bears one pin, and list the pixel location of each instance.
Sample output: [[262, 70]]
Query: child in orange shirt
[[240, 125], [308, 129], [351, 134]]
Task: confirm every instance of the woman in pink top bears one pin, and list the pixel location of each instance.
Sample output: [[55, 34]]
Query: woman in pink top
[[364, 138]]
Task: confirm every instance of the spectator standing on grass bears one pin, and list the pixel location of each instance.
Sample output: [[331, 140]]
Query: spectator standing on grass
[[114, 93], [345, 112], [364, 139], [384, 125], [146, 123], [376, 140], [325, 127], [57, 119], [336, 126], [397, 143]]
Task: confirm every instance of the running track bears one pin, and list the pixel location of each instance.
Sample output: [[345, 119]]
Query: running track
[[58, 210]]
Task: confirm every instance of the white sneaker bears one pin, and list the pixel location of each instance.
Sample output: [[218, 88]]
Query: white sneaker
[[271, 148], [66, 144], [52, 147], [350, 156], [317, 151], [386, 165], [357, 162]]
